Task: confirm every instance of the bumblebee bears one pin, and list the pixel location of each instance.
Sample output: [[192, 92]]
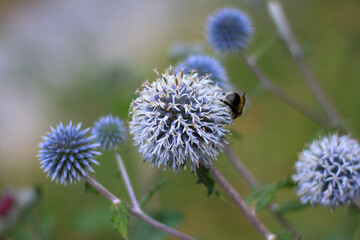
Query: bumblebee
[[235, 102]]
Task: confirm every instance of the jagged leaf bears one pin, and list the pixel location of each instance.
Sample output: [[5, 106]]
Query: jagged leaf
[[152, 191], [284, 235], [205, 178], [120, 219], [263, 196], [290, 206], [90, 189], [287, 182], [142, 230]]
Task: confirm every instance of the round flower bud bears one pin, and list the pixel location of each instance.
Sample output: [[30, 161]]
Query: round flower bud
[[328, 172], [229, 30], [110, 132], [179, 117], [205, 65], [67, 154]]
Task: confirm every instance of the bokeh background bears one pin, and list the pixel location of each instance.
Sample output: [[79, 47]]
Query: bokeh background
[[79, 60]]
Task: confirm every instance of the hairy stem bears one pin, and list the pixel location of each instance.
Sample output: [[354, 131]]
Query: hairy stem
[[283, 96], [235, 196], [252, 181], [127, 182], [280, 21], [241, 168], [136, 212]]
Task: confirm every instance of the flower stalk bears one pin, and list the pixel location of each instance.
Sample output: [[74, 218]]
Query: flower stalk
[[280, 21], [283, 96], [252, 181], [136, 212], [127, 182], [241, 204]]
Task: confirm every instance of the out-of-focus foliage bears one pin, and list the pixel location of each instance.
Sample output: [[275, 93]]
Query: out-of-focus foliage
[[47, 77]]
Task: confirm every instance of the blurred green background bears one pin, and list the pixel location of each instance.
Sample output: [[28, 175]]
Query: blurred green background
[[79, 60]]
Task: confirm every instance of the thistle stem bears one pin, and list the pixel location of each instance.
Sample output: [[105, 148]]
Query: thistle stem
[[235, 196], [280, 21], [136, 212], [241, 168], [102, 190], [283, 96], [252, 181], [127, 182]]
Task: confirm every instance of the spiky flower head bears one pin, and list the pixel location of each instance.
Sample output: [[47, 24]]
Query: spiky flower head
[[229, 30], [205, 65], [110, 132], [179, 117], [67, 154], [328, 172]]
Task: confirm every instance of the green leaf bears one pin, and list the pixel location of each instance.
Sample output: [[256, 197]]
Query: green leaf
[[142, 230], [152, 191], [290, 206], [90, 189], [263, 196], [205, 178], [120, 219], [287, 182], [117, 173], [285, 235]]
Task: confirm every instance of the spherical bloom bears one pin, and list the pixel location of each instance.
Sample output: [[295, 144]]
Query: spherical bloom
[[67, 154], [110, 132], [205, 65], [229, 30], [328, 173], [179, 117]]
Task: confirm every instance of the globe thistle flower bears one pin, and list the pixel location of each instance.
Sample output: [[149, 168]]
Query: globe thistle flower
[[110, 132], [229, 30], [205, 65], [67, 154], [178, 118], [328, 172]]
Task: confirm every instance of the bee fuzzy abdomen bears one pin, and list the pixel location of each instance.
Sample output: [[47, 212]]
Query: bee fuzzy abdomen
[[235, 102]]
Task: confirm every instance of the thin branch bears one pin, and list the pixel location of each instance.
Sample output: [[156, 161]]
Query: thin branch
[[270, 86], [146, 218], [127, 181], [102, 190], [252, 181], [235, 196], [136, 212], [280, 21], [241, 168]]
